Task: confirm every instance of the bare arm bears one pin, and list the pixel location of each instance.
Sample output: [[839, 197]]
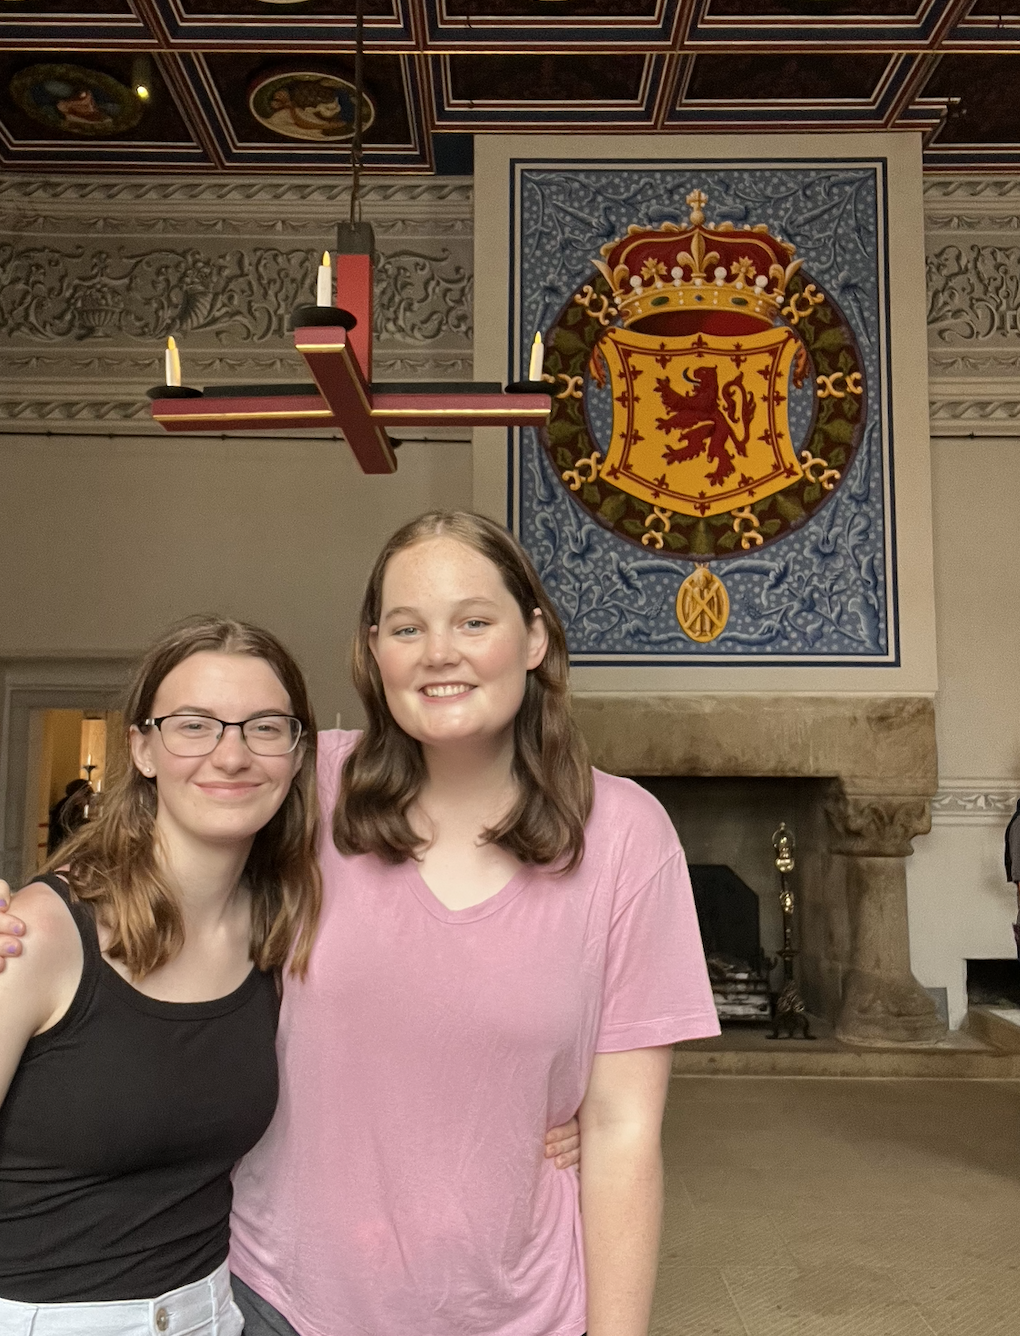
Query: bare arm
[[621, 1187], [39, 987]]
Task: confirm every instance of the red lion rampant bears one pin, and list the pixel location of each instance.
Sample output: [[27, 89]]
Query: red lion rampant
[[707, 419]]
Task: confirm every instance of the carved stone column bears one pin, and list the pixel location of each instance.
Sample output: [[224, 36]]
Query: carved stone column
[[882, 1001]]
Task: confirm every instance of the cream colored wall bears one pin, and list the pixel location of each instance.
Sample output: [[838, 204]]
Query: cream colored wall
[[976, 521], [960, 903], [104, 541]]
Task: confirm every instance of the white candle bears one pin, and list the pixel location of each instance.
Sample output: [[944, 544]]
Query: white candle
[[173, 362], [537, 358], [324, 282]]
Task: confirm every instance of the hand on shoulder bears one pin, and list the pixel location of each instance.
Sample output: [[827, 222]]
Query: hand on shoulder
[[11, 927]]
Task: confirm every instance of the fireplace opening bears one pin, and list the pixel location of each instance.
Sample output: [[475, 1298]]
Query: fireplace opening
[[726, 826], [728, 914]]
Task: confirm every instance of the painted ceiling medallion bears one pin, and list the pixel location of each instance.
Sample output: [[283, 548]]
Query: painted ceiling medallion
[[308, 105], [72, 99]]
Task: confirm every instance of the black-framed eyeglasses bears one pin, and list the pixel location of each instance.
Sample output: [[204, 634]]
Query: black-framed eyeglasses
[[198, 734]]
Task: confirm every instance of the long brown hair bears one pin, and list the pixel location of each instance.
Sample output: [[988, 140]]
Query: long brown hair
[[385, 772], [113, 861]]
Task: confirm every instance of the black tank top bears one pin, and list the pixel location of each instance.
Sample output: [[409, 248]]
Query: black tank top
[[119, 1132]]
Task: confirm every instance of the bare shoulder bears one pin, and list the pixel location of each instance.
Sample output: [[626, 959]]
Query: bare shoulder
[[51, 945], [38, 986]]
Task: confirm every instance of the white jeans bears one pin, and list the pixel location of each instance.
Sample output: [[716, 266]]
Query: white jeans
[[205, 1308]]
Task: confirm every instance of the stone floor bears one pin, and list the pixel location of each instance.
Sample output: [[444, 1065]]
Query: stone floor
[[843, 1207]]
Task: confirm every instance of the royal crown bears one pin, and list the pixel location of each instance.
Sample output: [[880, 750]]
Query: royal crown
[[697, 268]]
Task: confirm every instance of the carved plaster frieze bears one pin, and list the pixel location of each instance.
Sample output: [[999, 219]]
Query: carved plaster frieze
[[939, 187], [990, 363], [878, 826], [317, 227], [27, 411], [412, 365], [937, 223], [96, 292], [973, 293], [973, 290], [246, 190], [133, 366], [60, 374], [957, 804], [972, 416]]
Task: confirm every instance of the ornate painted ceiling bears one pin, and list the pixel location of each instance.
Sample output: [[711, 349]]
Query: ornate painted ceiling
[[267, 84]]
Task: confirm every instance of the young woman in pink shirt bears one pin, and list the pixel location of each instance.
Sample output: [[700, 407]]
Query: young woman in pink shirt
[[507, 937]]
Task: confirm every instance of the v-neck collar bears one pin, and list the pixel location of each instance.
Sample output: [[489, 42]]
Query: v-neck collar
[[430, 901]]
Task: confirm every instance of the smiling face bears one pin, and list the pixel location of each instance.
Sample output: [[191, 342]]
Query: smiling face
[[452, 645], [228, 796]]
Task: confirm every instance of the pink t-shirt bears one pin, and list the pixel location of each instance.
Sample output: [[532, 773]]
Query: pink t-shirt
[[401, 1189]]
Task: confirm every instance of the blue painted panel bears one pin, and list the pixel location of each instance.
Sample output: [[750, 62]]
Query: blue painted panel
[[822, 593]]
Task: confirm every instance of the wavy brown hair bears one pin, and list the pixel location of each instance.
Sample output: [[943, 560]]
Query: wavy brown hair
[[384, 773], [113, 862]]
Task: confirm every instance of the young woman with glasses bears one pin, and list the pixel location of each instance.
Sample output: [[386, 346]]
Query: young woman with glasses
[[137, 1059], [137, 1051]]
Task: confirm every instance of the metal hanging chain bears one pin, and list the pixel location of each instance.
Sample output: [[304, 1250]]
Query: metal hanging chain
[[359, 94]]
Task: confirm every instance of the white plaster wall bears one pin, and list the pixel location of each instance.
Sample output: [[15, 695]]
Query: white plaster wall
[[959, 902]]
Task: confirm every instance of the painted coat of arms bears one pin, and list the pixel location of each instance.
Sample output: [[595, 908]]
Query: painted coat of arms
[[711, 402]]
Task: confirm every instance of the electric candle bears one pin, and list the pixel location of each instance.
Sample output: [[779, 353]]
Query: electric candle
[[537, 358], [173, 362], [324, 282]]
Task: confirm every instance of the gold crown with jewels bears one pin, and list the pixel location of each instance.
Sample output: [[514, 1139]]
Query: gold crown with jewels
[[698, 268]]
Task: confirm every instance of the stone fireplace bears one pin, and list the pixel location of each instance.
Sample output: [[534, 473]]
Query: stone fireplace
[[859, 772]]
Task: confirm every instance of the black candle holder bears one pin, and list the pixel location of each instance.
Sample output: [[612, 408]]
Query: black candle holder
[[529, 387], [173, 392], [309, 315]]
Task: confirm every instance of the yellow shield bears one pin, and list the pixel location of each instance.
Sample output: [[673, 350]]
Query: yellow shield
[[699, 421]]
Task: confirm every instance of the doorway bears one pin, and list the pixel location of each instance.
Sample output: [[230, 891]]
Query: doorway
[[71, 754]]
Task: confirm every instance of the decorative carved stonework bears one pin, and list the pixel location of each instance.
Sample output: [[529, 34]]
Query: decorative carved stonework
[[420, 297], [973, 279], [95, 273], [974, 292], [864, 825], [964, 415], [962, 803], [946, 363], [233, 190], [991, 188], [238, 296]]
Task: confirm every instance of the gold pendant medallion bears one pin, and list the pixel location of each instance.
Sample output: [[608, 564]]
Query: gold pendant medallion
[[702, 606]]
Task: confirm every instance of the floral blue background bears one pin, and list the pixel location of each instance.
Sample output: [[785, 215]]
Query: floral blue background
[[821, 594]]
